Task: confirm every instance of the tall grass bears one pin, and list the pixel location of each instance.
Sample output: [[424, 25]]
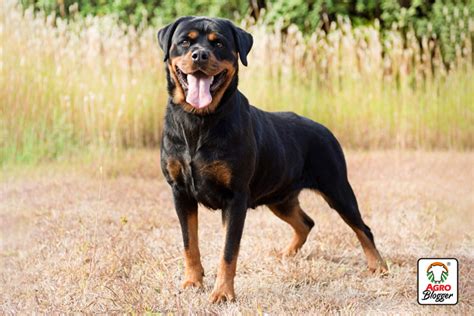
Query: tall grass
[[66, 87]]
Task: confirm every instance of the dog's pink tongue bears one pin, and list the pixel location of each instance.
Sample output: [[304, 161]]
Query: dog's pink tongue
[[199, 91]]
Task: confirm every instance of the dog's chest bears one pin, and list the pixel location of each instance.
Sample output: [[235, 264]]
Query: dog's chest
[[209, 181]]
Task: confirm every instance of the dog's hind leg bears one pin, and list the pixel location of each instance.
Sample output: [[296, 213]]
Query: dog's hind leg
[[341, 198], [291, 212]]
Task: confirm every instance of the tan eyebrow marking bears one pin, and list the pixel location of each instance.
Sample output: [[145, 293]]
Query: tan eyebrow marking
[[212, 36], [193, 34]]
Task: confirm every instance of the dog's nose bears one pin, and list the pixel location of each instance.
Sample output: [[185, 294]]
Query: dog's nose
[[200, 56]]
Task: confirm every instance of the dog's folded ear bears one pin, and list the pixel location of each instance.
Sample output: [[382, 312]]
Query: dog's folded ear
[[244, 42], [166, 34]]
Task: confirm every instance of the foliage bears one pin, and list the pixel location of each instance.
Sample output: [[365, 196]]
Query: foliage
[[430, 18], [136, 12], [68, 85]]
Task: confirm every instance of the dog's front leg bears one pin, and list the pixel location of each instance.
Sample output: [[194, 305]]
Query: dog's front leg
[[187, 210], [233, 218]]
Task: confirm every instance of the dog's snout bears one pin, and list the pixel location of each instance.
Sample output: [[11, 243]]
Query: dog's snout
[[200, 56]]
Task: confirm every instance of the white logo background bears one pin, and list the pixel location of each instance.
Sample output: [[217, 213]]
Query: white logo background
[[451, 280]]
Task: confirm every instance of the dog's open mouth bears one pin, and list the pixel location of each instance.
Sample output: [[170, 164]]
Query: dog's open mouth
[[199, 87]]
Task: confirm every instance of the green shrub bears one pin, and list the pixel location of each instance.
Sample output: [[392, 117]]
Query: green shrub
[[71, 87], [446, 22]]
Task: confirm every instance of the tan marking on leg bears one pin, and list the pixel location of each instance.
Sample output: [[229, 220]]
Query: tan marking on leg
[[301, 230], [374, 260], [224, 286], [219, 170], [174, 168], [193, 267]]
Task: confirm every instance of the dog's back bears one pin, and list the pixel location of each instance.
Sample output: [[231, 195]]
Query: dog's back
[[293, 153]]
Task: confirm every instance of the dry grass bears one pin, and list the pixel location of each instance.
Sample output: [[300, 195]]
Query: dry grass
[[91, 81], [105, 238]]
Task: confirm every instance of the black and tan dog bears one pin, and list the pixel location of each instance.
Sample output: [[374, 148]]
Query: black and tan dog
[[220, 151]]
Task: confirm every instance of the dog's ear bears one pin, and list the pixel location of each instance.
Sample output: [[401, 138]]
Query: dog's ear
[[244, 41], [166, 34]]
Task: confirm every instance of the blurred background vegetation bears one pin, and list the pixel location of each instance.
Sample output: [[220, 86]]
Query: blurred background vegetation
[[78, 76], [432, 18]]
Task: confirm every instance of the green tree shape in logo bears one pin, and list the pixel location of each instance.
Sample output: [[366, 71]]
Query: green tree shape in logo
[[444, 276]]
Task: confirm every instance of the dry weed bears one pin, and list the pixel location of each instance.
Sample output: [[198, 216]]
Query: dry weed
[[86, 240]]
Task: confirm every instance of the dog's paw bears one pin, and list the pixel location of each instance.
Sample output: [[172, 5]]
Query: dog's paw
[[222, 293], [288, 252], [193, 278], [193, 283], [379, 268]]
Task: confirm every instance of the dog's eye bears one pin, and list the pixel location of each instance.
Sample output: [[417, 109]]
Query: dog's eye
[[219, 44], [185, 44]]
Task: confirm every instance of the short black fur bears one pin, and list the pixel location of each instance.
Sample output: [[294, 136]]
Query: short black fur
[[270, 157]]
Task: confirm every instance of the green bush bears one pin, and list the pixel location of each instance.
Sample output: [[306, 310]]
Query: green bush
[[445, 22], [135, 12]]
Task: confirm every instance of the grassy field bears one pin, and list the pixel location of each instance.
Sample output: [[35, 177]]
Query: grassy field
[[67, 87], [87, 223], [104, 237]]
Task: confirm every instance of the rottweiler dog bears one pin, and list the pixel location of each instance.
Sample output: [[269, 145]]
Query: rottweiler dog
[[222, 152]]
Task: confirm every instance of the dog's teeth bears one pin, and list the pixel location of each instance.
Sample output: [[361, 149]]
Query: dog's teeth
[[212, 79]]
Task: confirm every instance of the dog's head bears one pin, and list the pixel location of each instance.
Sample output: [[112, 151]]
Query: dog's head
[[202, 60]]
